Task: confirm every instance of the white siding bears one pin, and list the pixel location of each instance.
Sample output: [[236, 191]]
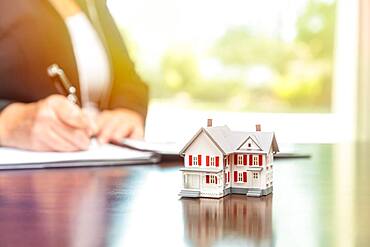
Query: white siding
[[239, 184], [203, 145], [263, 179], [210, 188], [251, 182]]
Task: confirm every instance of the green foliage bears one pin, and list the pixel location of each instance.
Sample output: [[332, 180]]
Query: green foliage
[[316, 28], [240, 47], [179, 70], [301, 69]]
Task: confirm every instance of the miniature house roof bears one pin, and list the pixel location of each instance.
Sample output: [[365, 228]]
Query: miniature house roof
[[228, 141]]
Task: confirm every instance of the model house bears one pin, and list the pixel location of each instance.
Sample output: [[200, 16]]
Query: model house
[[219, 161]]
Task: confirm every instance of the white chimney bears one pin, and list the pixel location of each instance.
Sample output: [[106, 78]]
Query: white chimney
[[209, 122], [258, 127]]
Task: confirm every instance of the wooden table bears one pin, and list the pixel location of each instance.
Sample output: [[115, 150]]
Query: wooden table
[[322, 201]]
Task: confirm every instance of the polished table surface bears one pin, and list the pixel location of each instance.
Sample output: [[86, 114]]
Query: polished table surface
[[321, 201]]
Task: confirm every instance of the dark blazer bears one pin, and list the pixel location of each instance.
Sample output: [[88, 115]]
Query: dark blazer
[[33, 36]]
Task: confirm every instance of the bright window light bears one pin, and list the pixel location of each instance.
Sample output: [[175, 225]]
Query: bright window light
[[242, 63]]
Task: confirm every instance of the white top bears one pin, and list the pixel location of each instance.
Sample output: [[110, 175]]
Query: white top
[[91, 58]]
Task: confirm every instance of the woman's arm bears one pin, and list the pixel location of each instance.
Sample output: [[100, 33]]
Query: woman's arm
[[125, 110], [128, 89]]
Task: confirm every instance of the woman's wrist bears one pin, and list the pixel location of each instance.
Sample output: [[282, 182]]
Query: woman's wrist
[[13, 107]]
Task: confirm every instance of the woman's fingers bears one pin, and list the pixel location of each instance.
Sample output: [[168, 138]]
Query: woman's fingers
[[69, 113], [121, 131], [137, 133], [54, 142], [78, 138], [118, 124], [107, 129]]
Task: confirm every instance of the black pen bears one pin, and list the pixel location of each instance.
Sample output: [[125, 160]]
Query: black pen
[[61, 81]]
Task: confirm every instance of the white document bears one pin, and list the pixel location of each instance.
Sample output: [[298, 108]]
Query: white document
[[164, 148], [96, 155]]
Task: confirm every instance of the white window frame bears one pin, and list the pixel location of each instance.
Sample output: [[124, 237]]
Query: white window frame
[[240, 177], [255, 175], [212, 161], [255, 160], [240, 159], [212, 179], [195, 160]]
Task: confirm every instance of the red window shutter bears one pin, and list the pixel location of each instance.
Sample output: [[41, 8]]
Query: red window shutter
[[244, 159], [199, 159], [250, 159], [190, 160], [215, 179], [207, 179], [217, 161], [235, 176], [228, 177], [235, 159], [260, 160], [207, 160], [244, 177]]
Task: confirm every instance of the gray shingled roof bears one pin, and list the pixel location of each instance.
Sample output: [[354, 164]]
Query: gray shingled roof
[[229, 141]]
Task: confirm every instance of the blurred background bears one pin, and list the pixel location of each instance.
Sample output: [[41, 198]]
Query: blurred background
[[291, 65]]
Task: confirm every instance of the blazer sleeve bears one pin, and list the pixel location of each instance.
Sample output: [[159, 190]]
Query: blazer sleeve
[[3, 104], [128, 90]]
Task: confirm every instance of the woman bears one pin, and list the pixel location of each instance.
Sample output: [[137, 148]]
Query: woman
[[82, 38]]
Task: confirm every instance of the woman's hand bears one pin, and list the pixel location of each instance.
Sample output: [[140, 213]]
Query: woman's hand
[[51, 124], [120, 123]]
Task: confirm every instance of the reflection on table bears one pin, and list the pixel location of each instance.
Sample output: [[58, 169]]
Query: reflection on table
[[207, 221], [65, 207], [322, 201]]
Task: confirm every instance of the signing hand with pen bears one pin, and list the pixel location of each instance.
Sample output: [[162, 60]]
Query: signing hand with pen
[[51, 124]]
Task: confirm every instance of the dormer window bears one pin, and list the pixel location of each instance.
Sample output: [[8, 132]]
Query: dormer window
[[250, 144]]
